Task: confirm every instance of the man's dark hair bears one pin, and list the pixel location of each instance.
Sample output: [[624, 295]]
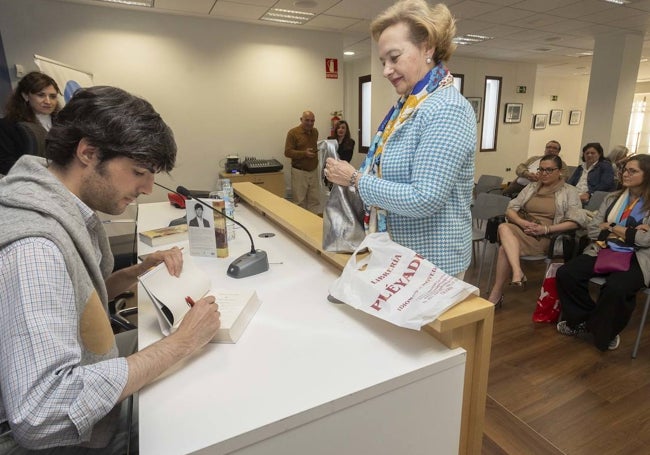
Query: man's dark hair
[[198, 206], [117, 124]]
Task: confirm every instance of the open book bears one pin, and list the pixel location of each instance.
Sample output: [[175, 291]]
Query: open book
[[168, 296]]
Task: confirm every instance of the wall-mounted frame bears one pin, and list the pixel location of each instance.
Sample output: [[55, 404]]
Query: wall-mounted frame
[[574, 117], [539, 121], [555, 117], [476, 105], [513, 113]]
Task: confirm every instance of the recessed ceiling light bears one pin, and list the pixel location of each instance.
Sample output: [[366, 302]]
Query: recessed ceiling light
[[618, 2], [471, 38], [348, 53], [287, 16], [147, 3], [305, 4]]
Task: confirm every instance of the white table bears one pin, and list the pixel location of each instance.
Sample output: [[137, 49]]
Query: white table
[[307, 376]]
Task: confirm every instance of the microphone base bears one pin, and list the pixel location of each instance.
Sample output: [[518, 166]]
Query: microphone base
[[249, 264]]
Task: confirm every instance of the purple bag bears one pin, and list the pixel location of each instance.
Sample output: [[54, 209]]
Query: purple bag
[[609, 261]]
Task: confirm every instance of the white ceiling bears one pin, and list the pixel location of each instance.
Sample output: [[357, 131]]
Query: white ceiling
[[551, 33]]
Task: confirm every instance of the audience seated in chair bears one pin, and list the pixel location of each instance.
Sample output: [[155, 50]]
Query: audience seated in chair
[[542, 209], [595, 173], [622, 224], [618, 156], [30, 111], [527, 171]]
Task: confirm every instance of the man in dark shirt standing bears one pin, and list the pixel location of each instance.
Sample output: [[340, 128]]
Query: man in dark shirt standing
[[301, 147]]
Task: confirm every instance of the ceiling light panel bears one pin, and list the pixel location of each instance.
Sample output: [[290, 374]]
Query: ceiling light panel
[[147, 3]]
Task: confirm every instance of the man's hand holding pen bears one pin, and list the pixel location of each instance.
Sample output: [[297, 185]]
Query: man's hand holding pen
[[200, 323]]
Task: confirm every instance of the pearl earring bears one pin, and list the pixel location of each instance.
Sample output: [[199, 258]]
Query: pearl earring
[[428, 60]]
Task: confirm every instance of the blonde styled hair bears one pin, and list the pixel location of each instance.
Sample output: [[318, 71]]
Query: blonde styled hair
[[433, 26]]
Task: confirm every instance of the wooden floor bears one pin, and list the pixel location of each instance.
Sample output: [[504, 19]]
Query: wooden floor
[[552, 394]]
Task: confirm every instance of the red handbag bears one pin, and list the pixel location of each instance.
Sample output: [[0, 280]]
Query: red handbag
[[548, 303]]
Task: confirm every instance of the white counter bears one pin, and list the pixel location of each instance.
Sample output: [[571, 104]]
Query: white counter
[[307, 376]]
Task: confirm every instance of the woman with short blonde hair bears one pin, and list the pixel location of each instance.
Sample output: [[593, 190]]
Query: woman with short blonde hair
[[417, 179]]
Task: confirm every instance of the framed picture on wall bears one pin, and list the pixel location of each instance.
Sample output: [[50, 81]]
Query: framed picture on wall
[[574, 117], [513, 113], [476, 105], [556, 117], [539, 121]]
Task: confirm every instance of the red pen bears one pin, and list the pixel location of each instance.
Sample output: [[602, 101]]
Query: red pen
[[189, 301]]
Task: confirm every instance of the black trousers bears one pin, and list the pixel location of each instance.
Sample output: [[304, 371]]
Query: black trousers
[[609, 315]]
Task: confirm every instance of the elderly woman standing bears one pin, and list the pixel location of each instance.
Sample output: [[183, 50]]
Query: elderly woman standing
[[622, 224], [595, 173], [543, 208], [417, 179]]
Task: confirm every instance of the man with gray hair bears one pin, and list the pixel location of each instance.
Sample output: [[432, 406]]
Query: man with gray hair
[[527, 171], [301, 147]]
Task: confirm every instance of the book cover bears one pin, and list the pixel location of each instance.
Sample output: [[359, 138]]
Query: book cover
[[162, 236], [203, 231], [167, 293]]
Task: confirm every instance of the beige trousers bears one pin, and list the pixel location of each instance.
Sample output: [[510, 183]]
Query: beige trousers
[[305, 189]]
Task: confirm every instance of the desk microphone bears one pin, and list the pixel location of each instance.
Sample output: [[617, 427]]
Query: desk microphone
[[247, 264]]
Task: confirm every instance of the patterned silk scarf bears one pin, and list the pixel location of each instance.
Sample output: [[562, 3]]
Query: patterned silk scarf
[[438, 77], [625, 208]]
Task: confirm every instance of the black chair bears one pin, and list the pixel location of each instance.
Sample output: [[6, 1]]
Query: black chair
[[119, 312]]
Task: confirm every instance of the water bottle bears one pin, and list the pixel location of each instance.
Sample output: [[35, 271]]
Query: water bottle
[[229, 197]]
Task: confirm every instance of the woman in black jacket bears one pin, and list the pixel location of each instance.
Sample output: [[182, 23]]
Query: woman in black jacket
[[346, 143]]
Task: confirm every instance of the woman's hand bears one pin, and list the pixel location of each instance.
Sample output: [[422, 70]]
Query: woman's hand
[[173, 259], [584, 197], [535, 229], [338, 171]]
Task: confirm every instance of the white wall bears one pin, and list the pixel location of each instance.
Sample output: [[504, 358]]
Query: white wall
[[223, 87], [572, 95], [353, 71]]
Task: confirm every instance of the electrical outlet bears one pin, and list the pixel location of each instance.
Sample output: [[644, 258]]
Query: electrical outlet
[[508, 169]]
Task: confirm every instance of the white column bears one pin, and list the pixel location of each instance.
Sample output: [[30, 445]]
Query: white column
[[611, 89]]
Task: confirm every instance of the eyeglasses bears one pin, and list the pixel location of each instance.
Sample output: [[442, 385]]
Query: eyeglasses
[[546, 170], [630, 171]]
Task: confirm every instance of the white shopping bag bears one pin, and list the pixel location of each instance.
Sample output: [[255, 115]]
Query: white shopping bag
[[398, 285]]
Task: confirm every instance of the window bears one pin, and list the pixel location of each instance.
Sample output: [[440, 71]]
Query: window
[[459, 80], [490, 113], [365, 134]]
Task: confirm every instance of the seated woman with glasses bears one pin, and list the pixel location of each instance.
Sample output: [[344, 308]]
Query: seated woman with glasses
[[595, 173], [622, 224], [542, 209]]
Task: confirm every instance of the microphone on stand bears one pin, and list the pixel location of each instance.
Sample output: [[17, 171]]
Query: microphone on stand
[[248, 264]]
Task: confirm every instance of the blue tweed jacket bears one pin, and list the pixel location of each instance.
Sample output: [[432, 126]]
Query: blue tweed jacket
[[427, 180]]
